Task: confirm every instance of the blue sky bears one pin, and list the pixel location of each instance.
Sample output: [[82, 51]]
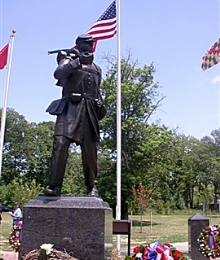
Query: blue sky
[[172, 34]]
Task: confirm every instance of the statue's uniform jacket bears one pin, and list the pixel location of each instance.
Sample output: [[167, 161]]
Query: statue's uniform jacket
[[86, 79], [78, 122]]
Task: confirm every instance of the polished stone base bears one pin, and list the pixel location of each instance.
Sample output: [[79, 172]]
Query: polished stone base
[[195, 226], [81, 226]]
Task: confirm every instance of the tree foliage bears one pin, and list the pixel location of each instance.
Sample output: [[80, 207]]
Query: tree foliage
[[14, 149], [139, 101], [27, 149], [40, 140], [18, 190], [181, 171]]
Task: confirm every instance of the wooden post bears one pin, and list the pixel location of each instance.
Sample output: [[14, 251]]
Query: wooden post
[[151, 222]]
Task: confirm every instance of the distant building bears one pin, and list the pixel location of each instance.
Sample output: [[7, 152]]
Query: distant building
[[210, 206]]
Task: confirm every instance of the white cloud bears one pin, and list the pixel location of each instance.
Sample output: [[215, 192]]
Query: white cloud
[[216, 79]]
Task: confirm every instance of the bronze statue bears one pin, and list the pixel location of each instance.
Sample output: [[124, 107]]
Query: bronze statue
[[78, 114]]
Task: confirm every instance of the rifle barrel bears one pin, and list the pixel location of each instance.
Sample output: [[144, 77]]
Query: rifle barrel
[[52, 52]]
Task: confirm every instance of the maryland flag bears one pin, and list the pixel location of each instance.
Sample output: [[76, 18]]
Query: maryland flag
[[212, 57]]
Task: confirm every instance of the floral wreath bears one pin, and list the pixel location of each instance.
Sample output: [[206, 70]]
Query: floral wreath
[[47, 252], [157, 251], [209, 241], [15, 237]]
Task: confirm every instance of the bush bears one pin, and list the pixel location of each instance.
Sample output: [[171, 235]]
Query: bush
[[19, 191]]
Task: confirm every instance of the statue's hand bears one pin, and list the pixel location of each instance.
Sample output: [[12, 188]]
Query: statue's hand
[[73, 54], [60, 56]]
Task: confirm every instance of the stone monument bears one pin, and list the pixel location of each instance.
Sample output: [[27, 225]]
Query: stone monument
[[196, 224], [81, 226]]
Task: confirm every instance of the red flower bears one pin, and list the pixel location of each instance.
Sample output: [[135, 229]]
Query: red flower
[[176, 254], [132, 258], [137, 249], [145, 253], [167, 244]]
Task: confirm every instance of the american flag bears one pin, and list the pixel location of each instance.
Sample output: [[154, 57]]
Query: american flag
[[105, 27]]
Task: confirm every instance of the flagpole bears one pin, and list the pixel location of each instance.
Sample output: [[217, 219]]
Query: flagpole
[[118, 205], [4, 108]]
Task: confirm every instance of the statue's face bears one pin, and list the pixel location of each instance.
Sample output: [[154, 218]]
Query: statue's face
[[85, 46]]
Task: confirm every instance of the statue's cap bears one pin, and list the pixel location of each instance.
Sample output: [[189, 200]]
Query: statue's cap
[[84, 38]]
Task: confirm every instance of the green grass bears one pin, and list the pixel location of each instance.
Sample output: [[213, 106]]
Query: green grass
[[171, 228], [5, 229], [164, 228]]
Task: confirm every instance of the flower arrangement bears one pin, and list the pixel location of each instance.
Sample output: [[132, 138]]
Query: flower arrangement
[[47, 252], [16, 236], [157, 251], [209, 241]]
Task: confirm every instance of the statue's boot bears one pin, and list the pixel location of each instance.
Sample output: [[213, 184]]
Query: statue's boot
[[92, 191], [53, 191]]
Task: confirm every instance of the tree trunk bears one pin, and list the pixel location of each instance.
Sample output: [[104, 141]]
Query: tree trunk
[[141, 221]]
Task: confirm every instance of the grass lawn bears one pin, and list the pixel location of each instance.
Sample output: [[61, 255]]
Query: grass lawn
[[5, 229], [171, 228], [163, 228]]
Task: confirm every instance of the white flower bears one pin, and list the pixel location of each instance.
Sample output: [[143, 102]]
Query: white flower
[[47, 248], [138, 255]]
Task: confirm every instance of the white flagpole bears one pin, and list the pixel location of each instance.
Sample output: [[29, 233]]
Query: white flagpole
[[118, 205], [4, 108]]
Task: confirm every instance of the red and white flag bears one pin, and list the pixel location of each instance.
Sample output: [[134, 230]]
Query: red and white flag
[[4, 56], [106, 26]]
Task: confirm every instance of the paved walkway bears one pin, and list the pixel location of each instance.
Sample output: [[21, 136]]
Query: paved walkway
[[183, 247], [10, 255]]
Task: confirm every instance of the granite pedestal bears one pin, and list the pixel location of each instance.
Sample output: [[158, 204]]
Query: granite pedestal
[[81, 226], [196, 224]]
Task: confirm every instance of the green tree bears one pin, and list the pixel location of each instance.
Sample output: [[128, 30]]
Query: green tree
[[39, 150], [74, 180], [154, 163], [140, 99], [211, 148], [18, 190], [186, 170], [14, 148]]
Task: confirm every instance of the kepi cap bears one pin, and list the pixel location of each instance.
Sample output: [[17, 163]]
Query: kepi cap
[[84, 38]]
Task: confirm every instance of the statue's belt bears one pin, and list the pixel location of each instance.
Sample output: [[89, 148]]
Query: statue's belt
[[77, 97]]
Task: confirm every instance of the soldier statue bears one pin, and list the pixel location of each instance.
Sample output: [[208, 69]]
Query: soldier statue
[[78, 113]]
